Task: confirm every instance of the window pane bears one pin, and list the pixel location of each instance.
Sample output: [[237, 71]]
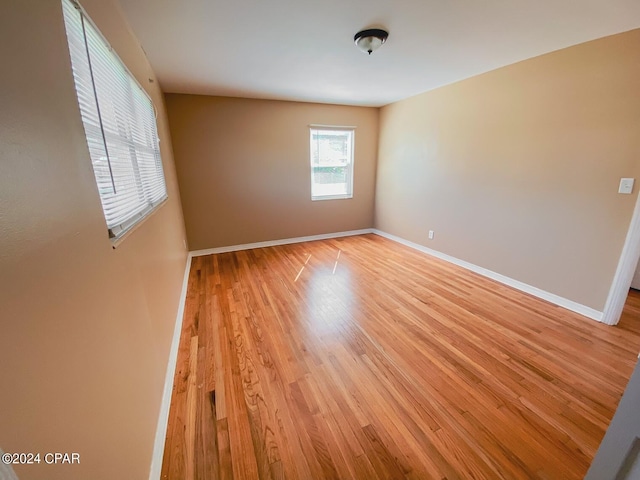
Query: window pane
[[329, 181]]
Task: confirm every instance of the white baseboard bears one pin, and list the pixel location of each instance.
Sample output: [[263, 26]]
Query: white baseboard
[[163, 417], [523, 287], [273, 243]]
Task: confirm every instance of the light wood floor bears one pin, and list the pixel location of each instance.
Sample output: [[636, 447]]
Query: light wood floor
[[361, 358]]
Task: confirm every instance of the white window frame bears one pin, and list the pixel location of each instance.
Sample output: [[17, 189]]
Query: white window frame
[[119, 121], [350, 160]]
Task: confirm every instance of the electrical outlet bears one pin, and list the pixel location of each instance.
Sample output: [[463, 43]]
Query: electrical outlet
[[626, 185], [430, 234]]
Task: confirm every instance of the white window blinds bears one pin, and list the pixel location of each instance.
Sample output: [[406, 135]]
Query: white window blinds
[[119, 123]]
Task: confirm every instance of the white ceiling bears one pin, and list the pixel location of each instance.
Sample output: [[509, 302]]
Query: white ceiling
[[304, 50]]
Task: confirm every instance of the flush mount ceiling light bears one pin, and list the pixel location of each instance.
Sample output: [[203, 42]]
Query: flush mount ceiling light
[[371, 39]]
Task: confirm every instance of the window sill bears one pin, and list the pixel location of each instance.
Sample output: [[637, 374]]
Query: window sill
[[332, 197], [115, 242]]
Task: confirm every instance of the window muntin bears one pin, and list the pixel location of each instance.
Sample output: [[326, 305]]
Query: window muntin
[[119, 124], [331, 162]]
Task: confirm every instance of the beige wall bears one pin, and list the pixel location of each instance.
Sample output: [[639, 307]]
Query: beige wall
[[85, 329], [244, 171], [517, 170]]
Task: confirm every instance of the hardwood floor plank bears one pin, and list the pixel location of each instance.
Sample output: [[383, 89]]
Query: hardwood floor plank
[[190, 418], [380, 456], [225, 467], [359, 358], [206, 448], [240, 439]]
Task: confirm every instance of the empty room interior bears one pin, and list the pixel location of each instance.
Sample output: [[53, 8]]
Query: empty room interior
[[292, 240]]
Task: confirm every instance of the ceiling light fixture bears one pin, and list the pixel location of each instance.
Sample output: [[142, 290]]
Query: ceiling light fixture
[[371, 39]]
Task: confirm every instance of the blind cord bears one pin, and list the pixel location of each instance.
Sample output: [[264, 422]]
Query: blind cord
[[95, 94]]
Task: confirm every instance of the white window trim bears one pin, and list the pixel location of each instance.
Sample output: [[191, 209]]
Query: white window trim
[[346, 196], [351, 129]]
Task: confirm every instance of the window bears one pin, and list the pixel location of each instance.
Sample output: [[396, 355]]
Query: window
[[331, 162], [120, 126]]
